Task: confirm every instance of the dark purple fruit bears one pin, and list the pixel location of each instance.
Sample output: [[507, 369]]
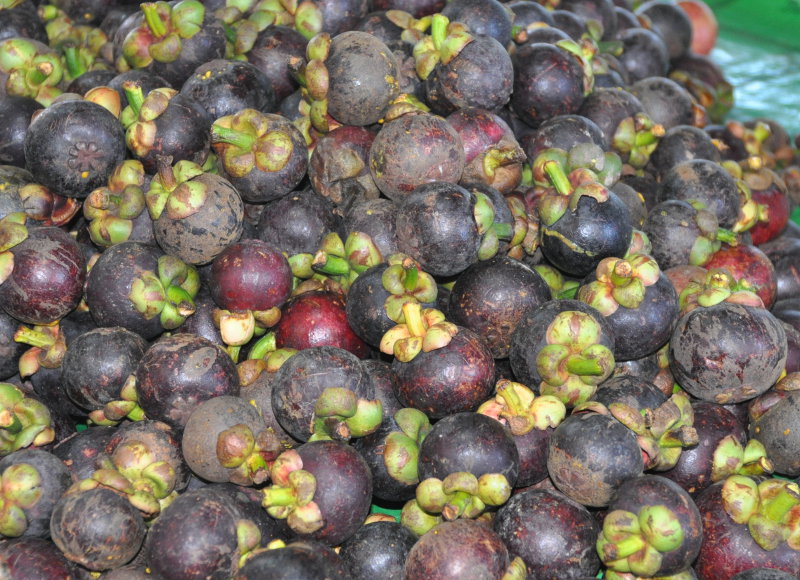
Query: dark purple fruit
[[180, 371], [455, 378], [47, 279], [296, 223], [98, 363], [413, 149], [300, 559], [73, 146], [196, 536], [15, 117], [469, 442], [458, 549], [224, 87], [34, 481], [591, 456], [490, 297], [482, 17], [30, 557], [305, 376], [548, 81], [115, 536], [773, 422], [272, 52], [644, 54], [377, 550], [553, 534], [727, 353], [83, 451]]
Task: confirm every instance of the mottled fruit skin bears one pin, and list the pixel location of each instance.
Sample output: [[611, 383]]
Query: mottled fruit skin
[[48, 277], [464, 549], [298, 559], [655, 490], [113, 539], [727, 353], [777, 429], [412, 150], [591, 456], [553, 534], [750, 266], [180, 371], [728, 548], [469, 442], [451, 379], [200, 237], [31, 557]]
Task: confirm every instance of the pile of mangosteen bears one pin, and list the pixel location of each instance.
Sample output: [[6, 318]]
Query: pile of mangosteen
[[424, 289]]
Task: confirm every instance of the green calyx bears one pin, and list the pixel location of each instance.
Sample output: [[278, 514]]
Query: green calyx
[[169, 293], [636, 138], [406, 282], [12, 233], [661, 432], [620, 282], [48, 348], [525, 231], [314, 80], [111, 209], [250, 140], [161, 36], [174, 191], [584, 51], [731, 458], [492, 232], [402, 447], [771, 509], [718, 286], [24, 422], [634, 542], [462, 495], [140, 116], [20, 490], [248, 455], [30, 73], [339, 414], [573, 362], [445, 41], [423, 331], [337, 260], [126, 407], [517, 406], [291, 497]]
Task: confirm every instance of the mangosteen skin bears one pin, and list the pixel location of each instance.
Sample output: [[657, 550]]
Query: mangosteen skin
[[15, 116], [83, 451], [73, 146], [727, 353], [728, 548], [195, 537], [97, 364], [224, 87], [300, 559], [455, 378], [115, 535], [777, 430], [55, 479], [297, 222], [32, 557], [201, 237], [378, 550], [109, 283], [305, 376], [655, 490], [469, 442], [47, 280], [490, 297], [554, 535], [180, 371], [466, 549], [10, 350], [591, 456], [343, 488]]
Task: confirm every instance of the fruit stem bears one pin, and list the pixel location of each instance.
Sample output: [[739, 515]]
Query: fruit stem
[[777, 507], [557, 176], [135, 96], [439, 24], [278, 496], [726, 236], [34, 337], [233, 137], [581, 366], [74, 66], [153, 19], [412, 311], [411, 275], [265, 345]]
